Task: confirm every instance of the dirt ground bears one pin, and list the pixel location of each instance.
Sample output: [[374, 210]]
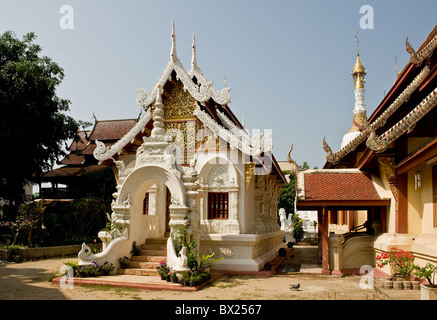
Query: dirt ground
[[30, 280]]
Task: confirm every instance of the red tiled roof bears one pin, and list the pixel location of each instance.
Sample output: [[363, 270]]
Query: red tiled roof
[[80, 144], [339, 186], [112, 129], [72, 171], [73, 158]]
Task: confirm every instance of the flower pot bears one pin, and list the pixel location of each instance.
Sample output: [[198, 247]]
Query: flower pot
[[168, 278], [415, 285], [379, 283], [83, 274], [174, 280], [397, 285], [427, 292], [388, 284], [163, 277], [401, 278]]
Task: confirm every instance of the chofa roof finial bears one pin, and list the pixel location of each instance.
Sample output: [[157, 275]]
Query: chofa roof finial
[[173, 54], [194, 57]]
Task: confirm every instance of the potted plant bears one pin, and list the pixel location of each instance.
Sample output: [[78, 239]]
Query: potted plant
[[74, 265], [106, 268], [135, 249], [163, 269], [93, 269], [124, 262], [400, 261], [428, 272], [206, 262], [174, 277], [185, 281], [89, 270], [83, 271], [194, 279]]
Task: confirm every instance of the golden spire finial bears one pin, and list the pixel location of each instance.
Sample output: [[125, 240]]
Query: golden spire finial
[[358, 43], [358, 72]]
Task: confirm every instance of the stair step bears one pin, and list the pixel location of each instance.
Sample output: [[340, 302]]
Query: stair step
[[138, 272], [142, 265], [154, 259], [145, 263], [152, 252], [157, 241], [153, 246]]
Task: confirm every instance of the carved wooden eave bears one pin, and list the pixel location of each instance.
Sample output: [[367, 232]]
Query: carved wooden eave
[[369, 129], [407, 123], [425, 50]]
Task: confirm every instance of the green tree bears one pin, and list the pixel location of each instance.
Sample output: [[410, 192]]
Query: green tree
[[287, 195], [297, 223], [34, 126]]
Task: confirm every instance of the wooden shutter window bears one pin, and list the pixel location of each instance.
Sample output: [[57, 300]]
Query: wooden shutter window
[[218, 205], [146, 204]]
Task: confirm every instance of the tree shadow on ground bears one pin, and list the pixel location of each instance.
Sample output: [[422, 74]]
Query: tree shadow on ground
[[27, 284]]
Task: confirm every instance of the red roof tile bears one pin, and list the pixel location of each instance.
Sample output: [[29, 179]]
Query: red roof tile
[[112, 129], [72, 171], [73, 158], [338, 186]]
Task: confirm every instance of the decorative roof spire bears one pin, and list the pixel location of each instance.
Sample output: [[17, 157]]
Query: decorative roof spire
[[360, 118], [193, 57], [173, 54], [358, 72], [158, 115]]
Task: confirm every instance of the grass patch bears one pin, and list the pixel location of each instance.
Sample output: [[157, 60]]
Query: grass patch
[[125, 291], [227, 282]]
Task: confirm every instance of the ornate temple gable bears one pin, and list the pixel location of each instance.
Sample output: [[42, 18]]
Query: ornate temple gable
[[186, 89], [200, 89]]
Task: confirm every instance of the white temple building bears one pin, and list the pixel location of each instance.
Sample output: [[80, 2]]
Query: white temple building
[[189, 163]]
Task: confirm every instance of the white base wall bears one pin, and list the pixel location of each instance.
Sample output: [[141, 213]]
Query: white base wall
[[242, 252]]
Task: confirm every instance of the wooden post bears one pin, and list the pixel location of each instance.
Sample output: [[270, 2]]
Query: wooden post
[[402, 212], [323, 231]]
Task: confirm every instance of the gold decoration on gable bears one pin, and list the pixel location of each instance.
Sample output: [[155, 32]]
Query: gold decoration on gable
[[249, 169], [178, 103]]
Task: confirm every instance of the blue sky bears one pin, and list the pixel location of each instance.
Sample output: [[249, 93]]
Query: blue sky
[[288, 62]]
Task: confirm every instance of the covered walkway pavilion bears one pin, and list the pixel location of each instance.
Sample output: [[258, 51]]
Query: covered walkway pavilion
[[340, 196]]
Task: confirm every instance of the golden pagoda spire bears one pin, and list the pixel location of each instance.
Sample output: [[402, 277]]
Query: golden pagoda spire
[[358, 76], [358, 72]]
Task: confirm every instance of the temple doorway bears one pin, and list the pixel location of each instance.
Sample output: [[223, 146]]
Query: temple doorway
[[167, 210]]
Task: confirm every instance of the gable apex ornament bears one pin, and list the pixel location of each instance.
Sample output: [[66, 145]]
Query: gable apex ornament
[[173, 55]]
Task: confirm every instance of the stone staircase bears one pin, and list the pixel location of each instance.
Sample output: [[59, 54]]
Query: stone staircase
[[145, 263]]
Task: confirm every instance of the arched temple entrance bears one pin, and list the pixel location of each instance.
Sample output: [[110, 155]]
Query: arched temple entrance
[[157, 202]]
